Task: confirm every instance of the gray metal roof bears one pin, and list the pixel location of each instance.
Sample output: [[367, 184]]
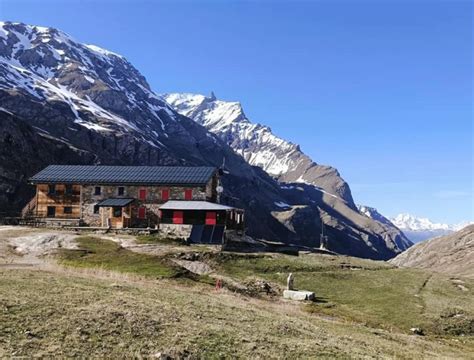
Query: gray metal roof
[[114, 202], [125, 175], [193, 205]]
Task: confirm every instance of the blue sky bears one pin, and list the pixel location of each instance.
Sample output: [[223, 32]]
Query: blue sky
[[382, 90]]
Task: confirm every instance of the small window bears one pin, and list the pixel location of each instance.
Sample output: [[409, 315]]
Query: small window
[[96, 209], [211, 218], [141, 212], [177, 217], [97, 190], [51, 211], [165, 194], [188, 194], [117, 211], [142, 194], [68, 189], [52, 189], [67, 210], [120, 190]]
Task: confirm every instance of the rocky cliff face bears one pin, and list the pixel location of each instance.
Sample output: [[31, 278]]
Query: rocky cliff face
[[258, 145], [451, 254], [402, 241], [65, 102]]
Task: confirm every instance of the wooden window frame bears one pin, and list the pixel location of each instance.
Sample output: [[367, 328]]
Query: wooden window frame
[[53, 211], [117, 211], [67, 210], [120, 190]]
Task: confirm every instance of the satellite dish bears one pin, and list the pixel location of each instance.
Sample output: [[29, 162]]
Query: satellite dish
[[220, 189]]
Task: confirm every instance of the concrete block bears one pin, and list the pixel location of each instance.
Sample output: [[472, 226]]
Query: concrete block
[[298, 295]]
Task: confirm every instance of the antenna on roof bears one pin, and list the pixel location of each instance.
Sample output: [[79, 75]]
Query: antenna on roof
[[222, 169]]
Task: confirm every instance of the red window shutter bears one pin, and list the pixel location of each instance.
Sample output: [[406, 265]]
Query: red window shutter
[[165, 194], [188, 194], [142, 194], [141, 212], [211, 218], [177, 217]]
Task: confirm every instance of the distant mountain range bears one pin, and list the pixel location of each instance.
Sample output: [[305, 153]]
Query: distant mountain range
[[419, 229], [65, 102]]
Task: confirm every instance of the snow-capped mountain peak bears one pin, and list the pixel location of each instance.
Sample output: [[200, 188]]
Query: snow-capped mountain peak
[[257, 144], [411, 222], [420, 228]]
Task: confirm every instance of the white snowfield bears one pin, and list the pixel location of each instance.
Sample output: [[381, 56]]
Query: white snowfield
[[413, 223]]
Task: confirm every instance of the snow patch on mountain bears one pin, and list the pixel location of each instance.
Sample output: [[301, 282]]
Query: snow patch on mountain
[[414, 223], [419, 229], [51, 66]]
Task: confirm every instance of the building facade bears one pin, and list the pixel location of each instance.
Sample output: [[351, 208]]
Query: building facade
[[119, 196]]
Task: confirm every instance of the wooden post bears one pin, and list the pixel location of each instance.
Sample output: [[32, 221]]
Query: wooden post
[[80, 204]]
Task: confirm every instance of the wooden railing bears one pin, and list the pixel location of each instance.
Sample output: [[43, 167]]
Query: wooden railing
[[28, 210]]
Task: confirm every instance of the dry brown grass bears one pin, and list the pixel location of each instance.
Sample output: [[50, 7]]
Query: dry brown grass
[[45, 313]]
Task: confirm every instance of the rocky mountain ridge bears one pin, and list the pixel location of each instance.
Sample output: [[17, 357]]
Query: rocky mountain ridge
[[80, 104], [257, 144]]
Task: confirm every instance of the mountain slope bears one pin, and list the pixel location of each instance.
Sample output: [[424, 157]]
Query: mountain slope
[[321, 186], [402, 241], [97, 105], [451, 254], [257, 144]]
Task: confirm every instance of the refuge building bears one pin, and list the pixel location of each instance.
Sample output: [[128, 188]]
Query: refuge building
[[184, 197]]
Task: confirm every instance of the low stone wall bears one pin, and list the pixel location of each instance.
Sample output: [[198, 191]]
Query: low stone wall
[[176, 230]]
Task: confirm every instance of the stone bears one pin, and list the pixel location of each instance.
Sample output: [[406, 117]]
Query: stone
[[298, 295], [289, 282], [417, 331]]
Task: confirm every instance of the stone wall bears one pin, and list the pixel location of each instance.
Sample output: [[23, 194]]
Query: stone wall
[[151, 203], [83, 201], [176, 231]]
